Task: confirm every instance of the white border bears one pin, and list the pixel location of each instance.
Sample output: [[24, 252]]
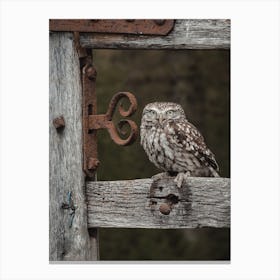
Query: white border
[[255, 138]]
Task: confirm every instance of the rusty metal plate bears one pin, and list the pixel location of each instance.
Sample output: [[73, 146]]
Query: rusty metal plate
[[129, 26], [93, 122], [89, 108]]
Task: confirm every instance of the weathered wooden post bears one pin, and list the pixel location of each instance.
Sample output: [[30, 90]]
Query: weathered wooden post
[[68, 233]]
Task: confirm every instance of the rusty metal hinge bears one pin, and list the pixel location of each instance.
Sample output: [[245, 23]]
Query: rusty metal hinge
[[92, 122], [129, 26]]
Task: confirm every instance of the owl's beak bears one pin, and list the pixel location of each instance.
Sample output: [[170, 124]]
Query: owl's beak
[[161, 119]]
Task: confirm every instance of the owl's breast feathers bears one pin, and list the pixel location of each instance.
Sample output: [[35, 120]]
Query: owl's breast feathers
[[186, 137]]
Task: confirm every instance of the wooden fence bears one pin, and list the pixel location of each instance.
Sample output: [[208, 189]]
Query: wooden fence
[[79, 207]]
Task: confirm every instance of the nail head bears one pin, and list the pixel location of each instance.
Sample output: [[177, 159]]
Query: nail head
[[93, 163], [160, 21], [59, 122], [165, 209], [91, 72]]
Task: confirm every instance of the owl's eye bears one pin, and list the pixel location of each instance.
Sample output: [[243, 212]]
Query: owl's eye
[[151, 114], [170, 113]]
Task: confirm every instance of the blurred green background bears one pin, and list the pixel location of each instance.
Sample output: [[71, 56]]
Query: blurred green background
[[199, 80]]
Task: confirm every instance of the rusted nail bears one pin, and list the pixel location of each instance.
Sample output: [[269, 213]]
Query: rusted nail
[[91, 73], [160, 22], [130, 20], [165, 209], [59, 123], [93, 163]]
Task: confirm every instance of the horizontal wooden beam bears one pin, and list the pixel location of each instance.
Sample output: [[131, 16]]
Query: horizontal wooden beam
[[186, 34], [144, 203]]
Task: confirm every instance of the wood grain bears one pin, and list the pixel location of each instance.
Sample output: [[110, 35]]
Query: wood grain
[[203, 202], [186, 34], [65, 155]]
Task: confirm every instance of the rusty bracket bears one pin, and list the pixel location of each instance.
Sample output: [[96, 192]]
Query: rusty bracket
[[129, 26], [92, 122], [105, 120]]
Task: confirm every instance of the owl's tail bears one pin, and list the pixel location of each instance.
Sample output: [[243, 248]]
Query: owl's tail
[[214, 172]]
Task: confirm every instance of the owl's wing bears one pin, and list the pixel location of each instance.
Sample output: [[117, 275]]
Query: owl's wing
[[188, 136]]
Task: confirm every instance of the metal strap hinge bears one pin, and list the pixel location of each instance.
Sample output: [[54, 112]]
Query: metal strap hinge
[[92, 122], [129, 26]]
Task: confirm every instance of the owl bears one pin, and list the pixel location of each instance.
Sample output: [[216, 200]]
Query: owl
[[173, 144]]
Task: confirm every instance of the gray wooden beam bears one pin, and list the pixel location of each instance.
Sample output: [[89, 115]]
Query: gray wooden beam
[[203, 202], [68, 240], [186, 34]]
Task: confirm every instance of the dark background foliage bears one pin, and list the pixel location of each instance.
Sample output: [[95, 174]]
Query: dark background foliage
[[200, 82]]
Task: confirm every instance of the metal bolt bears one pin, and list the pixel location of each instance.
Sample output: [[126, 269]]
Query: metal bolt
[[160, 21], [91, 72], [59, 123], [93, 163], [165, 209]]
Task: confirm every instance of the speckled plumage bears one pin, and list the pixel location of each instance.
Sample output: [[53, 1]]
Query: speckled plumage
[[173, 144]]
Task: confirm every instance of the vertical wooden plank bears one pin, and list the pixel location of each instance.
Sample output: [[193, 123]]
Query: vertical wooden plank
[[69, 240]]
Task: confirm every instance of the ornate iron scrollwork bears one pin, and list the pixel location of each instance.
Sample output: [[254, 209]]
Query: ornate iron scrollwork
[[105, 120], [92, 122]]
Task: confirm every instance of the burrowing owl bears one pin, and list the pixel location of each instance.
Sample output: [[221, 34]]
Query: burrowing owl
[[173, 144]]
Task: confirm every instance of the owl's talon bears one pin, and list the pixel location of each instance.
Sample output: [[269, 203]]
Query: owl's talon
[[159, 176], [181, 177]]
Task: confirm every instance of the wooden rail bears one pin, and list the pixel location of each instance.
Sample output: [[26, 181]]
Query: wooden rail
[[203, 202], [187, 34]]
